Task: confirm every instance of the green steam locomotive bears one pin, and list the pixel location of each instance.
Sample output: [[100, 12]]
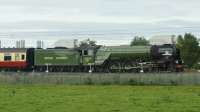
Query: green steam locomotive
[[93, 58]]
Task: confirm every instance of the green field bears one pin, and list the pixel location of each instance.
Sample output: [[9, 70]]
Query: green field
[[66, 98]]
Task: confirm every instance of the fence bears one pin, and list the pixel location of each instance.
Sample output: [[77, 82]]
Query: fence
[[101, 78]]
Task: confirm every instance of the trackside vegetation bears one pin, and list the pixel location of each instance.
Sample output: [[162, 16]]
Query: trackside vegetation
[[100, 78], [190, 50]]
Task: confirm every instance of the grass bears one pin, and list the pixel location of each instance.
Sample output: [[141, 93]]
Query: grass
[[113, 98]]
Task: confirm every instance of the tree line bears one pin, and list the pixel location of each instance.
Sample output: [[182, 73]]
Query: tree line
[[188, 45]]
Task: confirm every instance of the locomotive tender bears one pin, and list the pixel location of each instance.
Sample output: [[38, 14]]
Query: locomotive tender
[[93, 59]]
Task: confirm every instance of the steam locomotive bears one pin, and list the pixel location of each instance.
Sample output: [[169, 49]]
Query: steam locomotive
[[93, 58]]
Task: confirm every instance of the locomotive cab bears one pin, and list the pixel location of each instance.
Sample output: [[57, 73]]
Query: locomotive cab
[[87, 54]]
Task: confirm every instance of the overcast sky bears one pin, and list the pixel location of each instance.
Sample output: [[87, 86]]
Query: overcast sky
[[98, 19]]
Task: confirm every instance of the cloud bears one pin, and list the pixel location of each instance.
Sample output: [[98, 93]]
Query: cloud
[[102, 11], [114, 19]]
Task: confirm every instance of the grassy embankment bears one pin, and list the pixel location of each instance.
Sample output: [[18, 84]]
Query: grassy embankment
[[66, 98]]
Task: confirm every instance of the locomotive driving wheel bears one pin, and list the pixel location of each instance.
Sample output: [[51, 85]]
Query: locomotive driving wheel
[[115, 67], [128, 66]]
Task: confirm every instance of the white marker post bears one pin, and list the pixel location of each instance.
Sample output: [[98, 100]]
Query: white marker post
[[142, 70], [47, 68], [90, 71]]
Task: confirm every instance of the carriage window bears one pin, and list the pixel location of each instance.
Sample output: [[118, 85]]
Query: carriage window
[[7, 58], [23, 56]]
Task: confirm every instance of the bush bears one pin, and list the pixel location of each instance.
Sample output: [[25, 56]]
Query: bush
[[132, 82], [88, 81]]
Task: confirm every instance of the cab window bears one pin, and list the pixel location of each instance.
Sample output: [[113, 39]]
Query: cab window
[[85, 52], [90, 52]]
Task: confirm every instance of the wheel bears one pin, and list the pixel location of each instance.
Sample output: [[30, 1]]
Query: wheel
[[115, 67]]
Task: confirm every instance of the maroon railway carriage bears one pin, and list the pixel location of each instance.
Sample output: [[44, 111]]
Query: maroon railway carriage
[[13, 58]]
